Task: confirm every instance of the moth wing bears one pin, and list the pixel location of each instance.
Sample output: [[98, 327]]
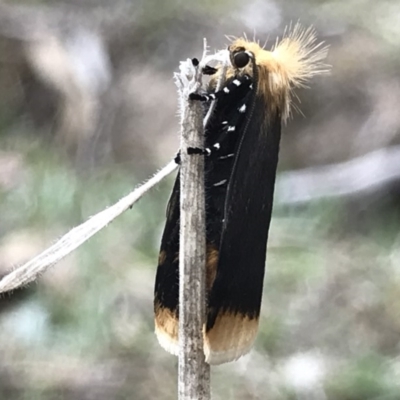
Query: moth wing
[[235, 297], [166, 291]]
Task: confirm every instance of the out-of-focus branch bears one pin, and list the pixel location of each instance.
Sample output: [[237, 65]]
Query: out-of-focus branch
[[355, 177], [77, 236]]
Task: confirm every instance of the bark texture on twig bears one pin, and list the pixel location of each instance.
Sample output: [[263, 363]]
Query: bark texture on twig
[[193, 372]]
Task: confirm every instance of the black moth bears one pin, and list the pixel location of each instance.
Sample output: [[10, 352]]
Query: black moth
[[241, 155]]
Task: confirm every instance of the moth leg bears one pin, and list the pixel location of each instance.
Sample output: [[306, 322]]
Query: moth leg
[[207, 70], [177, 158], [198, 150], [190, 151], [230, 88]]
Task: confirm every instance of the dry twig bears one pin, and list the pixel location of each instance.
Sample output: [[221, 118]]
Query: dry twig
[[194, 372]]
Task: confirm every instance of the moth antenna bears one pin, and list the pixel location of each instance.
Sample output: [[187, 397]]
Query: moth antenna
[[277, 39], [300, 55], [296, 105], [297, 109], [231, 38], [299, 58], [265, 43], [205, 48], [296, 96], [292, 62]]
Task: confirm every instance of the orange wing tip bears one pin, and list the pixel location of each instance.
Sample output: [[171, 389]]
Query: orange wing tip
[[231, 337], [167, 342], [166, 330]]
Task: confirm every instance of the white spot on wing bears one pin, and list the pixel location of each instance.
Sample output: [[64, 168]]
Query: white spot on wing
[[226, 90], [231, 128], [220, 182], [242, 109], [217, 145], [227, 156], [236, 82]]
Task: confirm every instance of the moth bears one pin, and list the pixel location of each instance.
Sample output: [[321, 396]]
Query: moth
[[242, 141]]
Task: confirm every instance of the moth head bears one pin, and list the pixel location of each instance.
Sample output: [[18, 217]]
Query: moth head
[[240, 57], [290, 64]]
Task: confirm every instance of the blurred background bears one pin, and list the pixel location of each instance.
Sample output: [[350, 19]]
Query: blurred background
[[88, 111]]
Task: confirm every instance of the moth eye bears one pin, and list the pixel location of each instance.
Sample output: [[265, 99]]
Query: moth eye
[[241, 59]]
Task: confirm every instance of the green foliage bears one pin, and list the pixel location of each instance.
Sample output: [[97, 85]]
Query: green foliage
[[363, 379]]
